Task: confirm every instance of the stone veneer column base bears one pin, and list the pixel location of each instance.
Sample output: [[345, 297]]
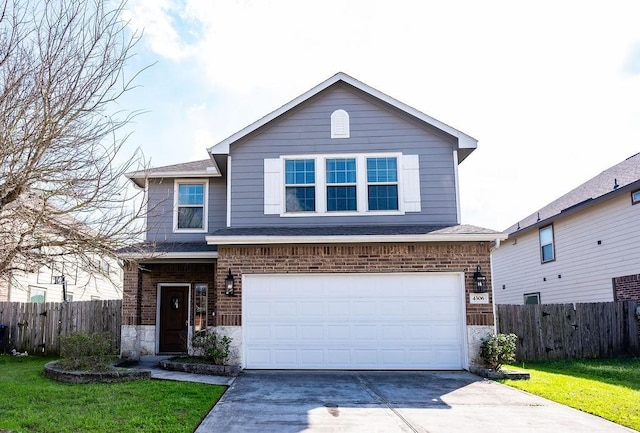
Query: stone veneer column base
[[235, 333], [475, 334], [137, 341]]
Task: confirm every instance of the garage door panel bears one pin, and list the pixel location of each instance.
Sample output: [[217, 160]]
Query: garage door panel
[[353, 321]]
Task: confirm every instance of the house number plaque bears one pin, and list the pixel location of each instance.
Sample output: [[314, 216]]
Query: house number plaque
[[478, 298]]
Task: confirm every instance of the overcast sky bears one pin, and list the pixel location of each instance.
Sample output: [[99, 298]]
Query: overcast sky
[[550, 89]]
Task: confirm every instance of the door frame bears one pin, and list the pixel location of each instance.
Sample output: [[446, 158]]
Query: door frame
[[158, 300]]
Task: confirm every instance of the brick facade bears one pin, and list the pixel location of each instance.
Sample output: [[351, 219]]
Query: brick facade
[[364, 258], [140, 295], [626, 288]]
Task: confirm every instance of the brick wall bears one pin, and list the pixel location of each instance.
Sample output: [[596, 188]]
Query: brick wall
[[422, 257], [141, 287], [626, 288]]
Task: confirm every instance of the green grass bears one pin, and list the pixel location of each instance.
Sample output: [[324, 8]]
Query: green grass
[[609, 388], [29, 402]]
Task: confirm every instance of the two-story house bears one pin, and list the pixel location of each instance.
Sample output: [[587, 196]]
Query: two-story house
[[582, 247], [325, 235]]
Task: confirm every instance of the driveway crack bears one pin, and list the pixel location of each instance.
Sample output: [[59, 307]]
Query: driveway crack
[[373, 390]]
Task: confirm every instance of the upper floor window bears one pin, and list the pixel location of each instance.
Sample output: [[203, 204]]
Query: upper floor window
[[340, 124], [190, 211], [382, 183], [341, 184], [547, 251], [300, 190], [323, 185], [635, 197]]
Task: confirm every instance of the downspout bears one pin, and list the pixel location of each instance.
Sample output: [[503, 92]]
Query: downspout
[[496, 245], [229, 191], [455, 171]]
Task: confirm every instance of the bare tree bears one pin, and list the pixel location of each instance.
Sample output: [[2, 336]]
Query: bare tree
[[62, 73]]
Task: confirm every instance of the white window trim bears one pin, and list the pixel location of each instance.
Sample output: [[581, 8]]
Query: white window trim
[[361, 185], [205, 213]]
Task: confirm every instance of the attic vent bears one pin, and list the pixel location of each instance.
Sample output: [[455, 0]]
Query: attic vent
[[339, 124]]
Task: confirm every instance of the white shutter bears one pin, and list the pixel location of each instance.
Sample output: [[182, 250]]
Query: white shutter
[[272, 186], [411, 183]]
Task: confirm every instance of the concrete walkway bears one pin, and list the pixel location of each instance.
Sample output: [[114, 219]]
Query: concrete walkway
[[151, 363]]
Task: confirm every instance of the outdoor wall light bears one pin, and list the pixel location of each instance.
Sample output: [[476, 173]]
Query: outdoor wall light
[[228, 284], [480, 280]]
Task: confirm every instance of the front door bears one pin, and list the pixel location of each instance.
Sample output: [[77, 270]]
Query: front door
[[174, 308]]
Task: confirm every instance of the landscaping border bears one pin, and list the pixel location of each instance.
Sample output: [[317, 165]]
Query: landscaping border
[[175, 364], [110, 376]]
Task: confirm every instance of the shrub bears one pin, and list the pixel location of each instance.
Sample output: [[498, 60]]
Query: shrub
[[215, 348], [499, 349], [86, 351]]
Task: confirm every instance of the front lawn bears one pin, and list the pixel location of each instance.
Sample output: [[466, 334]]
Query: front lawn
[[609, 388], [29, 402]]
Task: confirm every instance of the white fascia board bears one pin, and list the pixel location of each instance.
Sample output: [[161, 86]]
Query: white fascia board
[[464, 141], [261, 240], [139, 177], [174, 255]]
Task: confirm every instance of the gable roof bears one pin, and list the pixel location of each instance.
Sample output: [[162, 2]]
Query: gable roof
[[618, 179], [202, 168], [466, 143]]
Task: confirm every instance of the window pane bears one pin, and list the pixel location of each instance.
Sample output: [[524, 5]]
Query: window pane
[[190, 218], [341, 170], [532, 299], [38, 295], [300, 171], [301, 199], [189, 194], [382, 170], [383, 197], [200, 313], [547, 252], [341, 198], [546, 236]]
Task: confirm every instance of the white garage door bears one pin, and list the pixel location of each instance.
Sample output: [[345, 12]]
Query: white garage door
[[353, 321]]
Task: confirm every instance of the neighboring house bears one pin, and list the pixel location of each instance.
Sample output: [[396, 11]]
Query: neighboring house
[[102, 279], [325, 235], [582, 247]]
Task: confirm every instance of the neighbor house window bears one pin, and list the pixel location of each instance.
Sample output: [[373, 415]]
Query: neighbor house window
[[341, 184], [300, 188], [547, 252], [382, 183], [37, 295], [191, 206], [635, 197], [532, 298]]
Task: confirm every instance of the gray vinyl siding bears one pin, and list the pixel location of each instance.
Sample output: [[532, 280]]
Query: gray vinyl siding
[[586, 268], [375, 127], [160, 211]]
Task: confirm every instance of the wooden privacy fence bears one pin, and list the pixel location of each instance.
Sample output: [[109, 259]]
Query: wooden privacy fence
[[566, 331], [37, 328]]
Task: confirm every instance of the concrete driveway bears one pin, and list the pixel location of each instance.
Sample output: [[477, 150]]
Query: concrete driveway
[[388, 402]]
